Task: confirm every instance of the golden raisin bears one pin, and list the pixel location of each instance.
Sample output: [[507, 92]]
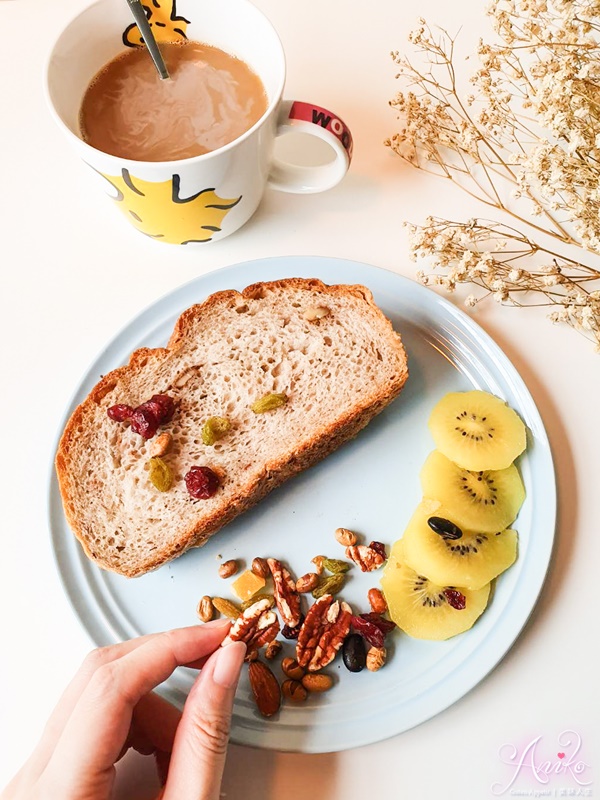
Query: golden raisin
[[160, 474], [214, 429], [268, 403]]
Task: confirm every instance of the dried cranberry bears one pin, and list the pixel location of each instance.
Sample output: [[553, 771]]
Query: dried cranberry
[[144, 422], [384, 625], [201, 482], [369, 630], [455, 598], [373, 627], [292, 633], [120, 413], [162, 407], [379, 548]]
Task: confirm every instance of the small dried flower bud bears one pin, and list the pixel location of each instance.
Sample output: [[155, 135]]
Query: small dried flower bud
[[307, 582], [261, 568], [294, 691], [345, 537], [161, 444], [228, 568], [377, 601], [205, 609], [273, 649], [376, 658]]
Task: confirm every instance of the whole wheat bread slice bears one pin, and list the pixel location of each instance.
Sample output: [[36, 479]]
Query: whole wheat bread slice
[[337, 372]]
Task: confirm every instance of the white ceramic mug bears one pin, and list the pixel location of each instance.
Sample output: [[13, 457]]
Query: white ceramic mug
[[207, 197]]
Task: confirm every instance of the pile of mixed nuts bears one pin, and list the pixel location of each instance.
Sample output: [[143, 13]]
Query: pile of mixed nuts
[[328, 626]]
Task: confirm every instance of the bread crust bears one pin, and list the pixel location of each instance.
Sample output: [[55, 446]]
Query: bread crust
[[272, 474]]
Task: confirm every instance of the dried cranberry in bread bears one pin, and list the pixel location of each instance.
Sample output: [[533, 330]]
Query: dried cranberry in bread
[[328, 349]]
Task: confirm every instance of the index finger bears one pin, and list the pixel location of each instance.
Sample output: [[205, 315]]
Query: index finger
[[72, 693], [92, 738]]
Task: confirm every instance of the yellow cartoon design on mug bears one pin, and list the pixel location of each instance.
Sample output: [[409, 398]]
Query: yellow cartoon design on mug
[[166, 25], [157, 209]]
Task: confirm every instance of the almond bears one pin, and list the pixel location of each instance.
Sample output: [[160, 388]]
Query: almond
[[265, 688]]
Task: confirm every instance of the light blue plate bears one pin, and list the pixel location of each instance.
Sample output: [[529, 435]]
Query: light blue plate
[[371, 486]]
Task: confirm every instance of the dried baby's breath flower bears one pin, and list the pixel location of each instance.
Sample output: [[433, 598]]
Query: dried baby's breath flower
[[528, 129]]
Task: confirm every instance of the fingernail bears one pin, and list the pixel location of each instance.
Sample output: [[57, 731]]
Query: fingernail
[[216, 623], [228, 664]]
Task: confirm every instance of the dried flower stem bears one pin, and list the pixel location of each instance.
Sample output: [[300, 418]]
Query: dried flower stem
[[531, 128]]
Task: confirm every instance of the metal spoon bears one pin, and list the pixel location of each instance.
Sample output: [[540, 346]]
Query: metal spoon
[[139, 16]]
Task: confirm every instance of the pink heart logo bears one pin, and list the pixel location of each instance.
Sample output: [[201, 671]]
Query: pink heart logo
[[560, 755]]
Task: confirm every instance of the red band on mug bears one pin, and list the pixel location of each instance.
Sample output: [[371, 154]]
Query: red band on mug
[[307, 112]]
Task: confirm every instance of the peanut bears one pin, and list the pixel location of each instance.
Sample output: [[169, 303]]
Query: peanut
[[345, 537], [261, 568], [228, 568], [317, 682], [307, 582], [292, 669], [318, 562], [377, 601], [272, 650], [205, 609], [294, 691]]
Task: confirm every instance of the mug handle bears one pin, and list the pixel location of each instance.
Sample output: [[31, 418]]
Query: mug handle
[[295, 116]]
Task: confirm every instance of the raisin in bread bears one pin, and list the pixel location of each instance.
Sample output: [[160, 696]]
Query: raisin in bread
[[328, 349]]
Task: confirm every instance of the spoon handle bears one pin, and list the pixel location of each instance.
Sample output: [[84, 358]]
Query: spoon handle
[[139, 16]]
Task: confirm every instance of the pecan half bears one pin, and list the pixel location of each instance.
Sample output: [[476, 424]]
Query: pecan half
[[256, 626], [367, 558], [284, 590], [323, 632]]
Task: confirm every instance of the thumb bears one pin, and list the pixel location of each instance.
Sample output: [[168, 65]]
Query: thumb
[[200, 744]]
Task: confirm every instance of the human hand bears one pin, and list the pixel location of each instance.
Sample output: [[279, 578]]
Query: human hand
[[109, 706]]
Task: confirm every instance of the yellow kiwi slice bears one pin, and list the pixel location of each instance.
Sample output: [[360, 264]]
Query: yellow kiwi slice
[[486, 501], [471, 560], [426, 610], [477, 430]]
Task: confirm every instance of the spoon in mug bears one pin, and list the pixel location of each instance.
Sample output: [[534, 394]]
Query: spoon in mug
[[139, 16]]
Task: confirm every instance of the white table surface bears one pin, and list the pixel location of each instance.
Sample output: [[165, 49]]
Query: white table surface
[[73, 274]]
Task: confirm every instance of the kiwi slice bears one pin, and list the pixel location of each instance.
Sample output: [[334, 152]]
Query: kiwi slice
[[470, 561], [477, 430], [426, 610], [486, 501]]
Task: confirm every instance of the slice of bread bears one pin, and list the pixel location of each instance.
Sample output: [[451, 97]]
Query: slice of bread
[[337, 372]]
